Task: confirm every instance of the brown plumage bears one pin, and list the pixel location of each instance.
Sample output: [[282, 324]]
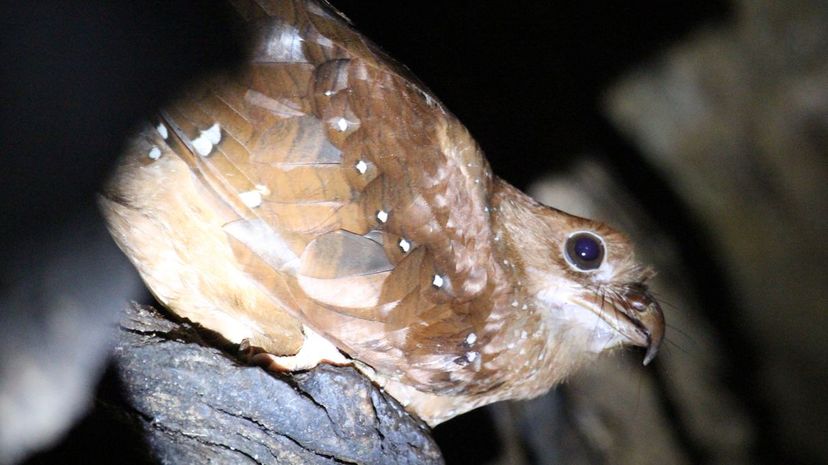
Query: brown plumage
[[325, 192]]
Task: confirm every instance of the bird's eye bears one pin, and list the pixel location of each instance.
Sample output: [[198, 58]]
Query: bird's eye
[[584, 251]]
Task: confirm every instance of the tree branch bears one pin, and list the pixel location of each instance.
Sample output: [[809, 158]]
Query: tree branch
[[198, 404]]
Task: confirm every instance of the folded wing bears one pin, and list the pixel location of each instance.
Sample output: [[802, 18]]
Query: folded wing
[[354, 198]]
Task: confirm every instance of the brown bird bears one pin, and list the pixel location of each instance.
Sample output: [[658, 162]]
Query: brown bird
[[322, 200]]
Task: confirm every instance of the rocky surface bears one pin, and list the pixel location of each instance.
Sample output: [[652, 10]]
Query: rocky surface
[[198, 404]]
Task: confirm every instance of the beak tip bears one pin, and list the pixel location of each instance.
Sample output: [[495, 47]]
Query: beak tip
[[652, 351], [654, 338], [653, 324]]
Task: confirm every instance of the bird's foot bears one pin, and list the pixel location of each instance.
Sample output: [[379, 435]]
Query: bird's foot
[[315, 350]]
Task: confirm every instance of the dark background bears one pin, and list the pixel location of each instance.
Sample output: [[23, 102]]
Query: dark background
[[525, 77]]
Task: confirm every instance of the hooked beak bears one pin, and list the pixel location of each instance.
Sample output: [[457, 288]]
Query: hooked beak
[[635, 314]]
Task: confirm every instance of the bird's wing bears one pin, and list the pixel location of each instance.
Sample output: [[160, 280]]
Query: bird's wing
[[357, 200]]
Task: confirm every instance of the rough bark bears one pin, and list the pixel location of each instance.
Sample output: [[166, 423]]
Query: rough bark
[[198, 404]]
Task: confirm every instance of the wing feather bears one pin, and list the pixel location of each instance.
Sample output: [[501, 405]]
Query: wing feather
[[351, 187]]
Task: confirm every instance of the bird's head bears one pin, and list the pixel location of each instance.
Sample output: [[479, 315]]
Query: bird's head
[[583, 276]]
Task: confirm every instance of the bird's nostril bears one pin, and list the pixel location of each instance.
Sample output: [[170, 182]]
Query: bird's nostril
[[638, 305], [638, 299]]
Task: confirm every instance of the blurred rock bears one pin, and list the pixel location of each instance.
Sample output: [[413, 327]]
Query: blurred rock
[[59, 302], [736, 118]]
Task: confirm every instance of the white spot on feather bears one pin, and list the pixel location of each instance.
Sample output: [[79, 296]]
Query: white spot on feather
[[202, 146], [471, 338], [382, 216], [405, 246], [341, 124], [204, 143], [154, 153], [162, 131], [437, 281], [252, 198], [361, 167], [213, 133]]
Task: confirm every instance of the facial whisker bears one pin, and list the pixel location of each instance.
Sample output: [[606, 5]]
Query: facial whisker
[[667, 304], [600, 292], [679, 331], [597, 325], [615, 297], [674, 344], [660, 297]]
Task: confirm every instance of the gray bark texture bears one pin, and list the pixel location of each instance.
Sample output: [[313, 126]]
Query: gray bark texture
[[198, 404]]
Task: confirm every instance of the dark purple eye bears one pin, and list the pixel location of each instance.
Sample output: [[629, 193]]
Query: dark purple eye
[[584, 251]]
